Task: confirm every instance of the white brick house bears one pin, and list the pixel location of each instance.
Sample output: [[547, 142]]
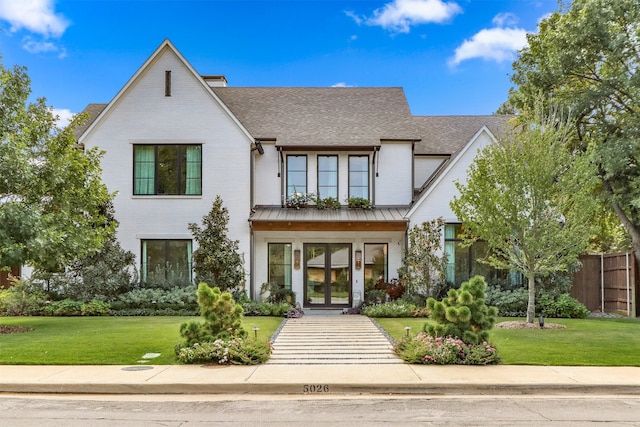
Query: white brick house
[[175, 139]]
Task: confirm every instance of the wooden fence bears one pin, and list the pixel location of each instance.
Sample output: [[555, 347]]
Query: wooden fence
[[608, 283]]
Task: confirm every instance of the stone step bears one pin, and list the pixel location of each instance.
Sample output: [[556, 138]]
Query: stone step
[[332, 340]]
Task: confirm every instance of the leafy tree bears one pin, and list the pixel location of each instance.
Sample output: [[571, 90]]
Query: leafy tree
[[528, 197], [51, 192], [424, 263], [463, 313], [217, 261], [586, 57], [101, 275]]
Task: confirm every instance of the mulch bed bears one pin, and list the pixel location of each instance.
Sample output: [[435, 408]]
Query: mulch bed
[[7, 329], [525, 325]]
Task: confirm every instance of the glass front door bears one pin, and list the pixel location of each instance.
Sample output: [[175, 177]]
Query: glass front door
[[327, 274]]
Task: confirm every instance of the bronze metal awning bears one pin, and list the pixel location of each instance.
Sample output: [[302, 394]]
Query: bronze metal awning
[[343, 219]]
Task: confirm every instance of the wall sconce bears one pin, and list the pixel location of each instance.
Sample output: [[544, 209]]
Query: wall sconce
[[296, 259], [358, 259]]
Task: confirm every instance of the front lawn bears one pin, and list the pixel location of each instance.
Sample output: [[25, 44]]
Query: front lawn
[[585, 342], [103, 340]]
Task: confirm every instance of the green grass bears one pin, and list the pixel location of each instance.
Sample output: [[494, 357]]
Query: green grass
[[102, 340], [585, 342]]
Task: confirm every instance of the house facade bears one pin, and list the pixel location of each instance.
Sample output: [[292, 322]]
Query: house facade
[[174, 140]]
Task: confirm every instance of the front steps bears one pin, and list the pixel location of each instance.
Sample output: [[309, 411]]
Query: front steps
[[322, 340]]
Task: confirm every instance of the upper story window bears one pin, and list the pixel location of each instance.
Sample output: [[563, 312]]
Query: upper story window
[[296, 174], [167, 169], [359, 176], [327, 176]]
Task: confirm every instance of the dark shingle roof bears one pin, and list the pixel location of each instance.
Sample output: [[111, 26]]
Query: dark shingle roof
[[448, 134], [319, 117], [93, 110]]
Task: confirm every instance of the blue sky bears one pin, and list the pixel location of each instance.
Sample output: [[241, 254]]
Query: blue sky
[[451, 56]]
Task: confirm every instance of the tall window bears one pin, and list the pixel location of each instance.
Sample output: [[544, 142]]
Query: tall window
[[167, 169], [359, 176], [166, 261], [375, 262], [464, 262], [327, 176], [296, 174], [280, 264]]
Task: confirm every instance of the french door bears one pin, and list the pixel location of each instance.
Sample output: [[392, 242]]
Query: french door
[[327, 274]]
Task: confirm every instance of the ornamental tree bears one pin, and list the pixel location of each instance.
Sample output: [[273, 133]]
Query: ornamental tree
[[585, 57], [51, 193], [217, 261], [424, 264], [529, 197]]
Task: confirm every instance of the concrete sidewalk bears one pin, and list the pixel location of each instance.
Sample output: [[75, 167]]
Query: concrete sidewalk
[[320, 379]]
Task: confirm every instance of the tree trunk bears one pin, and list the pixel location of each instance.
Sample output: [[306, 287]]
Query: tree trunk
[[531, 304], [628, 224]]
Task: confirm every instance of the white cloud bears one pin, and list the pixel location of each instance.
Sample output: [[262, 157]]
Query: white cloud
[[505, 19], [493, 44], [36, 16], [341, 84], [400, 15], [64, 116]]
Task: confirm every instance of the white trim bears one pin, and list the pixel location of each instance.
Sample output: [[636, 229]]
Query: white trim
[[164, 236], [450, 165]]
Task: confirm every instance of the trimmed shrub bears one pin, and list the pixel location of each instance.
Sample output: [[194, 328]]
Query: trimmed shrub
[[509, 302], [266, 308], [390, 309], [563, 306]]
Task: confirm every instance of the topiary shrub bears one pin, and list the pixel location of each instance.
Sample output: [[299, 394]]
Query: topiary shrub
[[463, 313], [220, 338], [222, 317]]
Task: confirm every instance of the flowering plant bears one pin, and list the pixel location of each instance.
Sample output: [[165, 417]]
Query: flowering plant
[[429, 350], [299, 200]]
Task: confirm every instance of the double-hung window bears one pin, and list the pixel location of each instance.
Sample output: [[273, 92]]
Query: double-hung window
[[327, 177], [167, 169], [296, 174], [359, 176]]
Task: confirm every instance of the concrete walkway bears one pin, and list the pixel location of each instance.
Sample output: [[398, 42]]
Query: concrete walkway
[[336, 379], [330, 340]]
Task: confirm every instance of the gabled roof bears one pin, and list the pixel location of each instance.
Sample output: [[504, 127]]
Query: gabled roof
[[447, 167], [322, 117], [93, 111], [166, 45], [446, 135]]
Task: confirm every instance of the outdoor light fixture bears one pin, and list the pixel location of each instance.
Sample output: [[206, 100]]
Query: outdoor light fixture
[[358, 259], [407, 328], [258, 146], [296, 259], [255, 331]]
